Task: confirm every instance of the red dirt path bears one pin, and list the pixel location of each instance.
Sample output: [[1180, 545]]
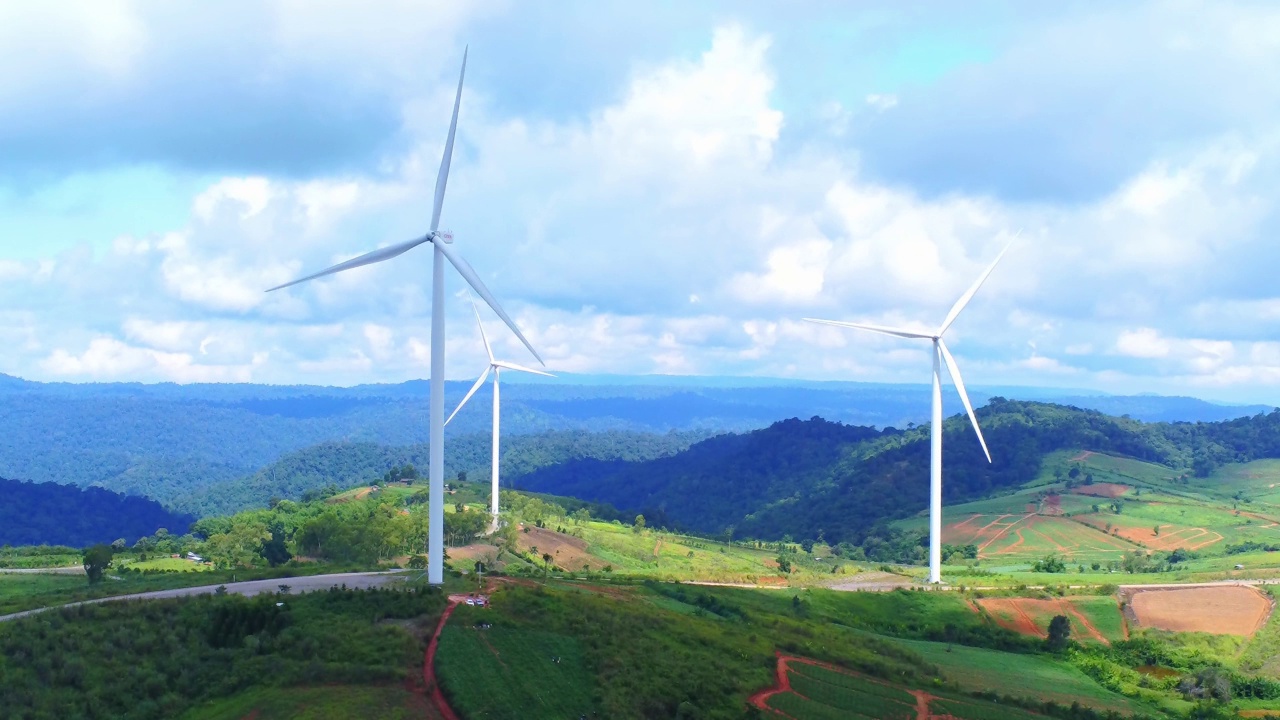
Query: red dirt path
[[429, 667], [783, 685]]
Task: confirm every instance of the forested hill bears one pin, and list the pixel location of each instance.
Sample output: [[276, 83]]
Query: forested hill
[[165, 440], [805, 477], [344, 464], [52, 514]]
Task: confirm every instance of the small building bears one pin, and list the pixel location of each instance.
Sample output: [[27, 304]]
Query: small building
[[194, 557]]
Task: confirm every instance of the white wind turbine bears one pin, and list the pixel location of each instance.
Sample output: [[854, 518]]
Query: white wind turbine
[[940, 355], [444, 250], [497, 366]]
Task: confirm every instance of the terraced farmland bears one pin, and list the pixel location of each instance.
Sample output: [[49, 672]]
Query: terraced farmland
[[1022, 538]]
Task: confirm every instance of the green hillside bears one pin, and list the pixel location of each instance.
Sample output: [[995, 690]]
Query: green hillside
[[812, 479]]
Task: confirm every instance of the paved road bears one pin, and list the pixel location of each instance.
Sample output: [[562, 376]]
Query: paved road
[[248, 588], [72, 570]]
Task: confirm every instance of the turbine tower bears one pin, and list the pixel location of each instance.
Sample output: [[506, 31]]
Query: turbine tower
[[444, 250], [940, 355], [497, 366]]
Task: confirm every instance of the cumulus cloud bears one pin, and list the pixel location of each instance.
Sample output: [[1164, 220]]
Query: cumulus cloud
[[683, 223]]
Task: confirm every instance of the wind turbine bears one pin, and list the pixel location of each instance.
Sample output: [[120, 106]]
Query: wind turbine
[[444, 250], [497, 366], [940, 355]]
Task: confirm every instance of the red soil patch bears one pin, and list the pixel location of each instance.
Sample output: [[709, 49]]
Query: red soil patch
[[1187, 538], [1106, 490], [1082, 456], [1008, 613], [657, 548], [566, 551], [1222, 610]]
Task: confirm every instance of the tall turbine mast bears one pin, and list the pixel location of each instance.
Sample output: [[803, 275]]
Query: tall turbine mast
[[444, 250], [497, 366], [940, 356]]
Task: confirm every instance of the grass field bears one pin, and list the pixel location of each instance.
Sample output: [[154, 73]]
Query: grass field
[[505, 672], [978, 669], [670, 557], [331, 702]]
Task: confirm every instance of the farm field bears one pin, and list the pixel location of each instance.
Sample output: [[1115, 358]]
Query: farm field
[[504, 672], [1028, 537], [1093, 619], [1224, 610], [336, 702]]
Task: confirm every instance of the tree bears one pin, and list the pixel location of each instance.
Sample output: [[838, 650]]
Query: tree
[[462, 476], [1088, 479], [241, 545], [119, 545], [546, 566], [784, 564], [1209, 683], [96, 561], [639, 524], [1059, 632]]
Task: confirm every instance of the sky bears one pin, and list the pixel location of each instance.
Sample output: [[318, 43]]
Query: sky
[[648, 188]]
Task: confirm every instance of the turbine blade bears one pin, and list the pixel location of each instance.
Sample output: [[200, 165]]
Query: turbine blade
[[442, 178], [873, 328], [471, 392], [965, 298], [521, 368], [376, 256], [487, 349], [469, 274], [964, 396]]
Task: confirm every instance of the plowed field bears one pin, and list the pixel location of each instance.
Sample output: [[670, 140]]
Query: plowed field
[[1222, 610]]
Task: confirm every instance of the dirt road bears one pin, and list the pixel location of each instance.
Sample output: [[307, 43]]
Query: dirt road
[[249, 588]]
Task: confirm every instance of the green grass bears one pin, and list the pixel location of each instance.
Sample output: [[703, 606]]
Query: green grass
[[865, 699], [336, 702], [506, 672], [1041, 677], [861, 684], [978, 710], [1103, 613], [168, 564], [802, 709]]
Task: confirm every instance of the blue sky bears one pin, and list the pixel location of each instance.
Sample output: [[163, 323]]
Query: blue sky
[[648, 188]]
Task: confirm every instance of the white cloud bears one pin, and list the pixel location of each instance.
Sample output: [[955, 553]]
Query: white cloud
[[107, 359], [1142, 343]]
